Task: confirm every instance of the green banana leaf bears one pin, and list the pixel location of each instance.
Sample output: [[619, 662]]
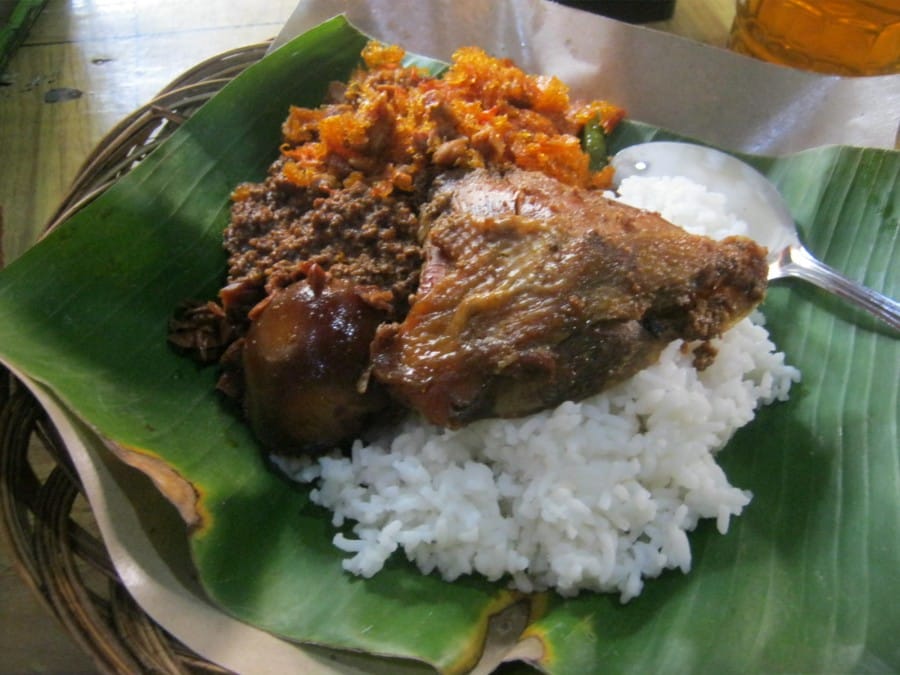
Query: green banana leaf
[[807, 580]]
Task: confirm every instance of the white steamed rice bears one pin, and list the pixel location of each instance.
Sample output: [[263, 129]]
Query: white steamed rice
[[594, 495]]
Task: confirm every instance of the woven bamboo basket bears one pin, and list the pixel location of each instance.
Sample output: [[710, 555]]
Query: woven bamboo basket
[[45, 517]]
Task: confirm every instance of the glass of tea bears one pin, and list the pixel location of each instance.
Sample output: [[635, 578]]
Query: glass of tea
[[844, 37]]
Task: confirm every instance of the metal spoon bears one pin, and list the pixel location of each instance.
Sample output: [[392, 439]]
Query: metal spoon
[[751, 197]]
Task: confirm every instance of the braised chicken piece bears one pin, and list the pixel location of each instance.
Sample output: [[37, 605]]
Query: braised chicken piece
[[534, 293]]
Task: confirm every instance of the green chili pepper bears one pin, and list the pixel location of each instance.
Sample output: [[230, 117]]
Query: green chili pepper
[[593, 141]]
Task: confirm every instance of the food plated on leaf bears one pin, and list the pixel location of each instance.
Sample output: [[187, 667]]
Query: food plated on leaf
[[502, 367], [264, 547]]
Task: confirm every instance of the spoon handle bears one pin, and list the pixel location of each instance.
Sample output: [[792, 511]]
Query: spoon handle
[[796, 261]]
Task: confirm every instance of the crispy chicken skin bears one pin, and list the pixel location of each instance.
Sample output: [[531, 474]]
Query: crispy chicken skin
[[534, 293]]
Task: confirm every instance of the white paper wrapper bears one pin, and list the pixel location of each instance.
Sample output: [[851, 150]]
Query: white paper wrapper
[[711, 94]]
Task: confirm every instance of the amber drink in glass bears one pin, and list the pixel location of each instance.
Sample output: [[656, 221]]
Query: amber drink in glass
[[844, 37]]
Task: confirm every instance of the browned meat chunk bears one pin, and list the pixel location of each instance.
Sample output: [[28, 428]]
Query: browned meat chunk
[[302, 360], [311, 273], [534, 293], [277, 229]]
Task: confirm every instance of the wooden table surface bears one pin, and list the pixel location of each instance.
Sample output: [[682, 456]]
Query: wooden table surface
[[82, 68]]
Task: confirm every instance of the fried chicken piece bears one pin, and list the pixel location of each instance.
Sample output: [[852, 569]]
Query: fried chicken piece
[[534, 292]]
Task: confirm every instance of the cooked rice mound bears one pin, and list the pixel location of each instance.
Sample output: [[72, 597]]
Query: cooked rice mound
[[595, 495]]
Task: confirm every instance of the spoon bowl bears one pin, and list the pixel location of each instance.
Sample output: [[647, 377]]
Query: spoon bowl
[[751, 197]]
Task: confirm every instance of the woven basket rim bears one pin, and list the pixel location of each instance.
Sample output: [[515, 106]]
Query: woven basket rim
[[47, 545]]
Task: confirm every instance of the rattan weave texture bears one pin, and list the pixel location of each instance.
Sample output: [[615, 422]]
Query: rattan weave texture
[[43, 514]]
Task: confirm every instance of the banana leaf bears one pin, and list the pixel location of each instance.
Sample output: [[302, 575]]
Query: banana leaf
[[805, 581]]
